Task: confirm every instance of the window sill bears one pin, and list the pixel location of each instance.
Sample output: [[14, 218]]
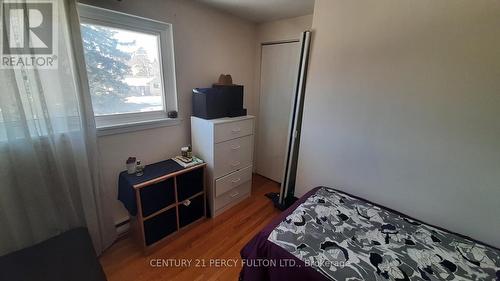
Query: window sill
[[137, 126]]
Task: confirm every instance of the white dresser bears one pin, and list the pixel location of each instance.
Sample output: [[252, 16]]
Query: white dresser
[[226, 145]]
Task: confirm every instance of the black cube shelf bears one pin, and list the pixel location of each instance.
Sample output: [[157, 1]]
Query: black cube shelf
[[168, 202]]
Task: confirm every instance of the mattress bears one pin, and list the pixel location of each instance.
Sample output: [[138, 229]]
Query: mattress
[[331, 235]]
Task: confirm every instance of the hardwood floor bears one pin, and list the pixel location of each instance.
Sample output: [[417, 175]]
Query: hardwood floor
[[214, 240]]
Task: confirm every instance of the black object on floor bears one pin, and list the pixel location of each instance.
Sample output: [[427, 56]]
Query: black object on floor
[[275, 198], [68, 256]]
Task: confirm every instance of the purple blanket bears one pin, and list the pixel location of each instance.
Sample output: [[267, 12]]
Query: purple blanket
[[265, 260]]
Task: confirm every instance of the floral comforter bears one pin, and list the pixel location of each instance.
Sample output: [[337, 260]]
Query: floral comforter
[[347, 238]]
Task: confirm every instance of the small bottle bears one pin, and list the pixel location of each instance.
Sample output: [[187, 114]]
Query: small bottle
[[131, 165], [139, 169], [184, 151], [190, 152]]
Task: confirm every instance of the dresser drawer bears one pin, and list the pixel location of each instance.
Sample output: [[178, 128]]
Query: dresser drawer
[[232, 130], [232, 195], [232, 180], [232, 155]]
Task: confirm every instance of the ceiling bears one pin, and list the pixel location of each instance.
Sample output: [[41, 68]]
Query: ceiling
[[263, 10]]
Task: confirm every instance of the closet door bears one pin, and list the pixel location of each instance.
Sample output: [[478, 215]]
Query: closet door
[[279, 69]]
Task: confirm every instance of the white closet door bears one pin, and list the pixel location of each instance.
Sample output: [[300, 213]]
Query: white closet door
[[279, 68]]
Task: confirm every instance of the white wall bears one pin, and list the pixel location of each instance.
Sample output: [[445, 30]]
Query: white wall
[[402, 107], [286, 29], [207, 42]]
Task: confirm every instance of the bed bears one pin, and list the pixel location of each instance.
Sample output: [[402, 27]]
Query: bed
[[331, 235]]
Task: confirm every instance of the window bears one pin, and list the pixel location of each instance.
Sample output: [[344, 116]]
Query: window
[[130, 67]]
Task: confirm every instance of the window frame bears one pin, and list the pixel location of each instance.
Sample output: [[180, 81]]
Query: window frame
[[118, 123]]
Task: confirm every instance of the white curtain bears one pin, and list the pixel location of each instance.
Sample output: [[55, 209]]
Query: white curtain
[[49, 166]]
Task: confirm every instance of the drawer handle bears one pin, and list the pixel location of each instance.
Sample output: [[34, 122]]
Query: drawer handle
[[236, 180], [235, 164], [186, 203], [234, 147], [236, 130], [234, 194]]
